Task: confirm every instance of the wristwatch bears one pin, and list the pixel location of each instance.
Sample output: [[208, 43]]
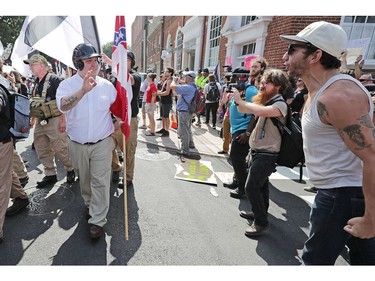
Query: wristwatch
[[247, 134]]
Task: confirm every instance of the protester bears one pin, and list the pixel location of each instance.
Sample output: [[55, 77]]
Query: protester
[[264, 141], [50, 137], [339, 147], [86, 99], [186, 91]]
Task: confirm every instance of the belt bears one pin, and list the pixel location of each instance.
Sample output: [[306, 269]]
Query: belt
[[6, 140], [253, 151], [183, 110], [87, 143]]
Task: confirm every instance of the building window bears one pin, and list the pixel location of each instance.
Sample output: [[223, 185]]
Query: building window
[[179, 46], [245, 20], [214, 43], [248, 49], [361, 27]]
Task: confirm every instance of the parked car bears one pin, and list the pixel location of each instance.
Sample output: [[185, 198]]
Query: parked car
[[140, 97]]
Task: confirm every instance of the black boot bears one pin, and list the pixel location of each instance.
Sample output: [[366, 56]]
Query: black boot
[[47, 180]]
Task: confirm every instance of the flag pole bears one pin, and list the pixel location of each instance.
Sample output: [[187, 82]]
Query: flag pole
[[126, 223]]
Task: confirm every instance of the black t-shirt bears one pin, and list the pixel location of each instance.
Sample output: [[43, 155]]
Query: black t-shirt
[[135, 89], [298, 100], [166, 99], [54, 82]]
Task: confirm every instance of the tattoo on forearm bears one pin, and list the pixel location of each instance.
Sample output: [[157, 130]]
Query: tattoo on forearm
[[355, 135], [322, 110], [365, 120], [69, 101]]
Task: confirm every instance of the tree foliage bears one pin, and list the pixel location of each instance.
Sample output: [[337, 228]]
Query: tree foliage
[[10, 27], [107, 49]]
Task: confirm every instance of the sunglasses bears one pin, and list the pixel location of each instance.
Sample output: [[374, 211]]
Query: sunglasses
[[364, 80], [292, 47]]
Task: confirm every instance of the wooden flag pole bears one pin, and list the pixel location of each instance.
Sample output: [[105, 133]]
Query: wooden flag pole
[[126, 224]]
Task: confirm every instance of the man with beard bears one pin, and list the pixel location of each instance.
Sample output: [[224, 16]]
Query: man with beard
[[339, 147], [265, 141], [240, 124]]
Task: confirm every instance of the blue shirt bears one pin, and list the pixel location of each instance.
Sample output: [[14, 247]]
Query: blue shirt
[[187, 91], [240, 121]]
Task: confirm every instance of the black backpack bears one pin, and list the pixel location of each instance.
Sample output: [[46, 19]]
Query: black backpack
[[291, 150], [213, 92], [19, 114]]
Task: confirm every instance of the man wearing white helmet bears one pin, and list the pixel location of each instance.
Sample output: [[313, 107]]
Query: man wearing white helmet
[[339, 147]]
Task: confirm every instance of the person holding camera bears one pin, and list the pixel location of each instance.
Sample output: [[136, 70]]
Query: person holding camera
[[265, 141], [49, 126]]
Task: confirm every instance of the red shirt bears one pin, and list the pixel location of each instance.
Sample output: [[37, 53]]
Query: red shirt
[[150, 89]]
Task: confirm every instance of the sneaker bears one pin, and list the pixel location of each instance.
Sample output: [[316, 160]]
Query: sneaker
[[164, 134], [311, 189], [232, 185], [47, 180], [162, 130], [222, 152], [70, 176], [237, 194], [247, 215], [143, 127], [256, 230], [115, 176], [214, 127], [18, 205], [24, 181]]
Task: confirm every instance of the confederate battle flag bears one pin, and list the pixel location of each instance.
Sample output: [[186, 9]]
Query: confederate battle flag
[[121, 107]]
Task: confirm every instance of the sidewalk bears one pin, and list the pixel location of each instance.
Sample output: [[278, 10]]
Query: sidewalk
[[207, 140]]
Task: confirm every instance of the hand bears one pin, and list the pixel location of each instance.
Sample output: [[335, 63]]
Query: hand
[[88, 82], [106, 59], [362, 227]]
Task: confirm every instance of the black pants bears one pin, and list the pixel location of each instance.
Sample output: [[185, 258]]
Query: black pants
[[211, 107], [238, 154]]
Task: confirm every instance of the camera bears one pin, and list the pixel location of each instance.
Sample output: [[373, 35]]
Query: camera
[[239, 85]]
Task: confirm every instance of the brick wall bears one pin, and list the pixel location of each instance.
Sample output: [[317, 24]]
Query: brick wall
[[281, 25]]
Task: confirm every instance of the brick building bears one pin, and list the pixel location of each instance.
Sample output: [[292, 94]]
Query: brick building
[[205, 41]]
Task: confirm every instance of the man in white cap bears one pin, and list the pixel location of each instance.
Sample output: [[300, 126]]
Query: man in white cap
[[186, 91], [339, 147]]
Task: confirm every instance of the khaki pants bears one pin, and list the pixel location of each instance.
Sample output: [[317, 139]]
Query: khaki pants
[[94, 166], [131, 146], [48, 141], [226, 134], [6, 155], [18, 166]]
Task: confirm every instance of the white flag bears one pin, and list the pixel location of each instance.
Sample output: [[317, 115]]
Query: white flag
[[55, 36]]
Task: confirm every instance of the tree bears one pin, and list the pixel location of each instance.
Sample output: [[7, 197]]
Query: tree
[[10, 28], [107, 49]]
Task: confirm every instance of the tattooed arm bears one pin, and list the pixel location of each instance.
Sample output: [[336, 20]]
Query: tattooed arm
[[68, 102], [347, 109]]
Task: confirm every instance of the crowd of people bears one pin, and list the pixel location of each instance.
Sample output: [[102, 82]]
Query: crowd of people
[[334, 104]]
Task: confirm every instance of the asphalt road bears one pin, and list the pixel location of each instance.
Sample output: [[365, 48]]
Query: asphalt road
[[171, 221]]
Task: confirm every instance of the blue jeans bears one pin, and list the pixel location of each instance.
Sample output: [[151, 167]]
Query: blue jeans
[[257, 189], [330, 212]]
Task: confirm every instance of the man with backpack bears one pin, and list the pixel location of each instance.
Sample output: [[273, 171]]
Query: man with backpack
[[186, 92], [212, 92], [264, 141], [10, 186]]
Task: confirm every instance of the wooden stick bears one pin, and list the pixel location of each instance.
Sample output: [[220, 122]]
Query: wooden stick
[[125, 190]]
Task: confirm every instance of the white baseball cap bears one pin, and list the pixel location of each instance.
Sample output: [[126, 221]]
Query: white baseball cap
[[326, 36]]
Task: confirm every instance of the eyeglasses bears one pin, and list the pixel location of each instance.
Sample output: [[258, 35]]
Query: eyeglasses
[[292, 47]]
